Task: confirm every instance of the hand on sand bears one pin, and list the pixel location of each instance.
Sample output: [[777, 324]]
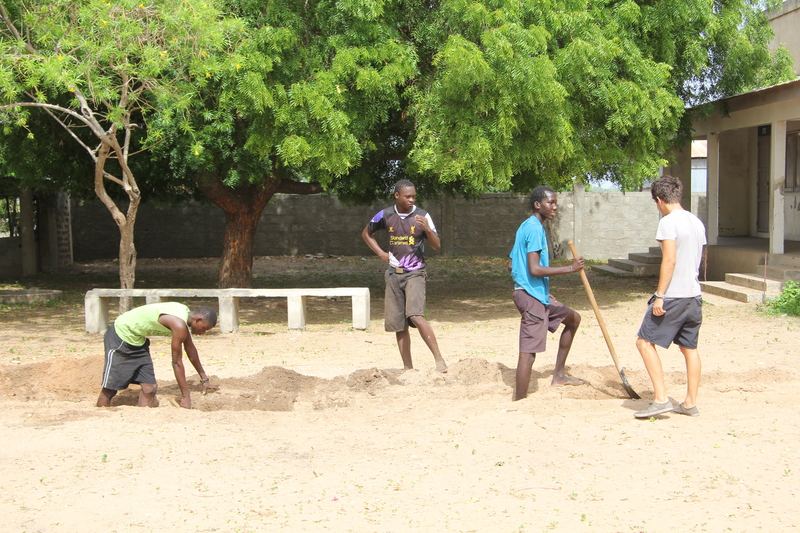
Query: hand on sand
[[208, 387]]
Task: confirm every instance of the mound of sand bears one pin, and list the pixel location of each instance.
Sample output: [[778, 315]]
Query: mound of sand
[[276, 388]]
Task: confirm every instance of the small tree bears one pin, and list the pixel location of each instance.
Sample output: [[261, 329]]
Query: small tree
[[99, 69]]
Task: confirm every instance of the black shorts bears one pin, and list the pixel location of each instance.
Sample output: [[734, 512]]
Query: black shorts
[[679, 324], [125, 363]]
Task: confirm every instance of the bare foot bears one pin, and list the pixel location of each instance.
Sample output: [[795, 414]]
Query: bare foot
[[566, 380], [441, 366]]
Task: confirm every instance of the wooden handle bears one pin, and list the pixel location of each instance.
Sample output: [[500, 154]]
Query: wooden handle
[[596, 309]]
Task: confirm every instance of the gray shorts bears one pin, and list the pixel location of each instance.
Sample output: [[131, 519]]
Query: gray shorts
[[125, 363], [536, 320], [680, 324], [404, 298]]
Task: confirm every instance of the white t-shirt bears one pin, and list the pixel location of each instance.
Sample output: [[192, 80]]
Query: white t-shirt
[[689, 235]]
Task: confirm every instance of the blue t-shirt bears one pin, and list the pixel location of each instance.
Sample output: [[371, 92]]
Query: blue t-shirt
[[531, 237]]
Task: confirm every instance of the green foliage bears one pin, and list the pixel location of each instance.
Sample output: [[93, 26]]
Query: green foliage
[[315, 86], [457, 95], [121, 59], [104, 69], [788, 302], [522, 93]]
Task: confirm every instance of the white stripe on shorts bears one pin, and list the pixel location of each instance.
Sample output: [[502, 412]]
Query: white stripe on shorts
[[107, 371]]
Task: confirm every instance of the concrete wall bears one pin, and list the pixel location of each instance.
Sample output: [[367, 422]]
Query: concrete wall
[[699, 206], [785, 23], [681, 168], [792, 216], [602, 225], [722, 260]]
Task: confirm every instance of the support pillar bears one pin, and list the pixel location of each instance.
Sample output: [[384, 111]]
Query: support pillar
[[712, 188], [579, 199], [27, 232], [777, 182]]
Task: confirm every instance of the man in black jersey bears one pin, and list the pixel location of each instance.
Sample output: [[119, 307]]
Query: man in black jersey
[[408, 226]]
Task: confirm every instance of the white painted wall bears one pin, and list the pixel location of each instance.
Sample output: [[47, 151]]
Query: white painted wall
[[786, 25]]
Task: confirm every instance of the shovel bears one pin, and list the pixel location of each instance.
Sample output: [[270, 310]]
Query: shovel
[[590, 294]]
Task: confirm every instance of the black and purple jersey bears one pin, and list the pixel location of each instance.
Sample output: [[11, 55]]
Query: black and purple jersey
[[405, 236]]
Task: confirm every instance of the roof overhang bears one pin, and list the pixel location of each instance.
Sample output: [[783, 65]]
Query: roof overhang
[[755, 108]]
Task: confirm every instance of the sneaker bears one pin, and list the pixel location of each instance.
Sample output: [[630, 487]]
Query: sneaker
[[654, 409], [691, 411]]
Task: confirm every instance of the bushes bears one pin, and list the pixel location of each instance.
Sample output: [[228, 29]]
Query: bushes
[[788, 302]]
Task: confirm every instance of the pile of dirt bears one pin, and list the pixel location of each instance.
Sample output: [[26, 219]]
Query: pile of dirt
[[276, 388], [61, 378]]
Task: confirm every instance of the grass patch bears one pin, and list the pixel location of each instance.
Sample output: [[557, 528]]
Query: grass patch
[[788, 303]]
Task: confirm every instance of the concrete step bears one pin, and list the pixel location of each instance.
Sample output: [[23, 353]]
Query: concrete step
[[783, 272], [655, 250], [755, 282], [736, 292], [614, 271], [638, 269], [650, 259], [784, 260]]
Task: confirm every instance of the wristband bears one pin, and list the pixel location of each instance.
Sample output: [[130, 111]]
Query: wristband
[[658, 295], [205, 380]]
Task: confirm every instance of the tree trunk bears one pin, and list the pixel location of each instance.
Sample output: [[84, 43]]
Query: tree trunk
[[236, 266], [243, 207], [127, 255], [125, 222]]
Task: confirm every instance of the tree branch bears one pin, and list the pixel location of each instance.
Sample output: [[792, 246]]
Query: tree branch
[[14, 30], [92, 153], [111, 177]]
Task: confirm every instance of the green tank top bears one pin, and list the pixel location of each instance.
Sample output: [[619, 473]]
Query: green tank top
[[137, 324]]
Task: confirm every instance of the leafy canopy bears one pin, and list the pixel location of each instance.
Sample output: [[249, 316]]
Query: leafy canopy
[[522, 92], [314, 85], [118, 60], [458, 95]]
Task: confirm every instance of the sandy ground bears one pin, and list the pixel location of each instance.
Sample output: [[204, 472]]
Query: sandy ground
[[320, 430]]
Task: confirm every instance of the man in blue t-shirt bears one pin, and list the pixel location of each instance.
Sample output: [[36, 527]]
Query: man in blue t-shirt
[[539, 310], [408, 226]]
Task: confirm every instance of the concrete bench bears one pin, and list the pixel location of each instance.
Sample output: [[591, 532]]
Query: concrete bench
[[96, 303]]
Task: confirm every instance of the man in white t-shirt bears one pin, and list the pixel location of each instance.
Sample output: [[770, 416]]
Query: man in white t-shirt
[[674, 312]]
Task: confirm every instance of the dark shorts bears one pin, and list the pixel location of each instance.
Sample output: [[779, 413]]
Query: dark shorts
[[125, 363], [405, 297], [537, 320], [680, 324]]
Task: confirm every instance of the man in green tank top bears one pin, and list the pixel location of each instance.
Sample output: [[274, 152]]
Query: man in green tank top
[[127, 347]]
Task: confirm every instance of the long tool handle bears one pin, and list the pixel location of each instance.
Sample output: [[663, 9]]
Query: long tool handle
[[597, 314]]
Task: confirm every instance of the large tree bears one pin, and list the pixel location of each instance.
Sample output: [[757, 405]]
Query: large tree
[[292, 112], [98, 69], [523, 92]]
